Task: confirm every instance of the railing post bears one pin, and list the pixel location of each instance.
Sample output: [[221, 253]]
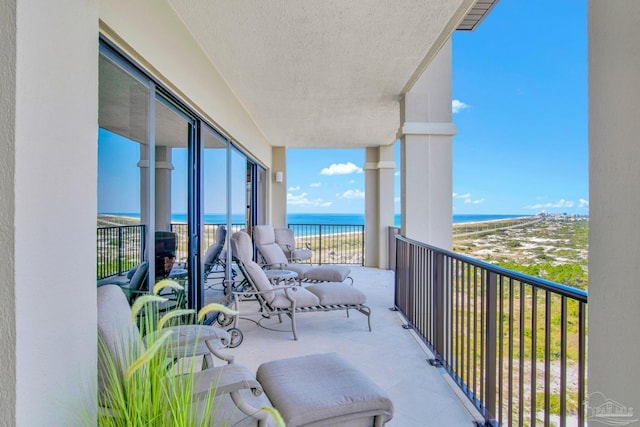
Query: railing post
[[438, 290], [320, 242], [143, 242], [491, 310], [362, 240], [120, 250]]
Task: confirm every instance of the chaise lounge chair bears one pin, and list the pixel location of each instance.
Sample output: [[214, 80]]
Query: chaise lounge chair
[[213, 263], [290, 300], [305, 390], [274, 257], [287, 241], [136, 284]]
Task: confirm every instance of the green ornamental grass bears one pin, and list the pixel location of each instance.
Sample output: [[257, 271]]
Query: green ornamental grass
[[139, 385]]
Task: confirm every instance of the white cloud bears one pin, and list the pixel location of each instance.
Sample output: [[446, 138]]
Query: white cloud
[[562, 203], [461, 196], [396, 173], [303, 201], [467, 198], [341, 169], [294, 188], [315, 185], [396, 199], [352, 181], [468, 201], [353, 194], [582, 203], [457, 106]]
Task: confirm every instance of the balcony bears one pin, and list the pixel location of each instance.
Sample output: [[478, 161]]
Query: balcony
[[461, 346], [391, 355]]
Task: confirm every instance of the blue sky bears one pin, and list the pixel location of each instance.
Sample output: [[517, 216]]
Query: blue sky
[[520, 106]]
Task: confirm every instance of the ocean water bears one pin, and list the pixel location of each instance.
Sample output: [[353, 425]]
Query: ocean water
[[356, 219], [317, 218]]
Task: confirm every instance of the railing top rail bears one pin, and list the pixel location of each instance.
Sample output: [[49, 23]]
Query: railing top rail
[[111, 227], [564, 290]]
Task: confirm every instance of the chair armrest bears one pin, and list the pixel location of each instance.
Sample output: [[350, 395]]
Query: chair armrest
[[227, 379], [275, 288], [275, 266]]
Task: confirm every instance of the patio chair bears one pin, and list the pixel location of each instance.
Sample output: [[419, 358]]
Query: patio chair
[[213, 264], [290, 300], [314, 390], [136, 284], [265, 240], [287, 241]]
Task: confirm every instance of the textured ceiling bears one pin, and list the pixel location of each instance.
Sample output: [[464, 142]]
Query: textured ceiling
[[324, 73]]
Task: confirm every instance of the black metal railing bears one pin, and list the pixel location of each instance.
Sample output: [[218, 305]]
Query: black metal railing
[[514, 344], [122, 247], [119, 249], [331, 243]]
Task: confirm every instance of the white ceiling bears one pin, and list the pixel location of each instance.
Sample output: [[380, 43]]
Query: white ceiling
[[322, 73]]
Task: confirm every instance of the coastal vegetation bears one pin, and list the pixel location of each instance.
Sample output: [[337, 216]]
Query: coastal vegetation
[[554, 249]]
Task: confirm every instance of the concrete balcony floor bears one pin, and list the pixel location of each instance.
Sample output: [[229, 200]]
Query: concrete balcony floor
[[390, 355]]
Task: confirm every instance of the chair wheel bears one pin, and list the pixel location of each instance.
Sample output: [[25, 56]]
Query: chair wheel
[[224, 320], [236, 337]]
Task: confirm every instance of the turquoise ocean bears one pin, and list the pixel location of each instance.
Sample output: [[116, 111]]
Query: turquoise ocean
[[328, 219]]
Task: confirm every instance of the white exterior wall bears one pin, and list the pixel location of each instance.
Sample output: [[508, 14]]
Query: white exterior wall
[[7, 208], [47, 220], [614, 238], [176, 59]]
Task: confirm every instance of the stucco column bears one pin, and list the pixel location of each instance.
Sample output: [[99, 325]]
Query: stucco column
[[48, 208], [614, 203], [379, 168], [164, 168], [426, 135], [279, 189]]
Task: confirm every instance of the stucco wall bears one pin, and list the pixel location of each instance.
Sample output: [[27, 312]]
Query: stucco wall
[[7, 205], [55, 144], [614, 238]]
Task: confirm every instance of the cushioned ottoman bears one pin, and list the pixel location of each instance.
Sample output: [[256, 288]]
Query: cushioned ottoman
[[337, 294], [328, 273], [335, 392]]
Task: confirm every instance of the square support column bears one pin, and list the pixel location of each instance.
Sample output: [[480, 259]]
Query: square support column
[[379, 212], [614, 203], [426, 135], [48, 152], [279, 189]]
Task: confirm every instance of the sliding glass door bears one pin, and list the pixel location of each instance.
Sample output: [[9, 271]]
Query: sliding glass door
[[175, 256], [123, 139], [171, 188]]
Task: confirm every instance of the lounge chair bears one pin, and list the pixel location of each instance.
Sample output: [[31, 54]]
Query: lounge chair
[[314, 390], [135, 286], [213, 263], [287, 241], [274, 257], [290, 300]]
